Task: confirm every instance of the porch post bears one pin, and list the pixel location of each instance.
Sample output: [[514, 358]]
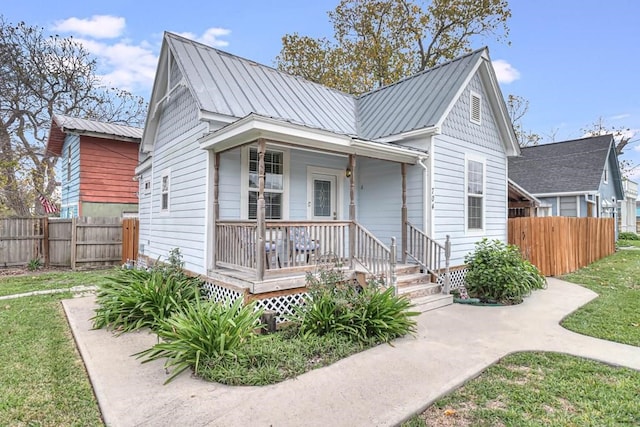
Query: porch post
[[352, 210], [260, 217], [216, 208], [403, 170]]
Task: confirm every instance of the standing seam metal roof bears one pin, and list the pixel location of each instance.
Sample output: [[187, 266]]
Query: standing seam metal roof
[[233, 86], [68, 124], [228, 85]]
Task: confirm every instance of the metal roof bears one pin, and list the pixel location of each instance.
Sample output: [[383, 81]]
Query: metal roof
[[562, 167], [76, 125], [416, 102], [226, 84]]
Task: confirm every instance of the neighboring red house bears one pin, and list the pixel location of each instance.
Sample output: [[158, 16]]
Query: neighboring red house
[[96, 168]]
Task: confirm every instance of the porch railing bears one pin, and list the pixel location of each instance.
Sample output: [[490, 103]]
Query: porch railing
[[289, 245], [373, 255], [427, 252]]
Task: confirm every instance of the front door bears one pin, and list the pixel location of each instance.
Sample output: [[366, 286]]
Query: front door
[[323, 197]]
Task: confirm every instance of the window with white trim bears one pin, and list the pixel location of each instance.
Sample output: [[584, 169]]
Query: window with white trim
[[475, 113], [165, 189], [146, 187], [606, 174], [273, 183], [475, 194]]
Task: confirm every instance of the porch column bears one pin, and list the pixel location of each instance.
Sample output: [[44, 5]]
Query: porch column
[[216, 208], [260, 217], [352, 210], [403, 171]]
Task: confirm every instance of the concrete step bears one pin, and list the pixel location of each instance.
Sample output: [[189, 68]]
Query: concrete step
[[431, 302], [402, 269], [419, 290], [413, 279]]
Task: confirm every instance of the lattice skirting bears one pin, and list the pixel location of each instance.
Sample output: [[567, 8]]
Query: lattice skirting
[[219, 293], [282, 304], [457, 275]]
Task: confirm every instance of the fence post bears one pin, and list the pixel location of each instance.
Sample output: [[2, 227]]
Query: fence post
[[392, 265], [45, 240], [73, 242], [447, 257]]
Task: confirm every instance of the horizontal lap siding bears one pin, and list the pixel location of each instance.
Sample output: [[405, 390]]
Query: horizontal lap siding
[[230, 172], [70, 189], [460, 137], [107, 168], [177, 150]]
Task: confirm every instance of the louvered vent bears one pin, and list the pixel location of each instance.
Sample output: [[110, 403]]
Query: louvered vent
[[475, 108]]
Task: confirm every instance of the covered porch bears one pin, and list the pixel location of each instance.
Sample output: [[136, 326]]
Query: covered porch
[[302, 210]]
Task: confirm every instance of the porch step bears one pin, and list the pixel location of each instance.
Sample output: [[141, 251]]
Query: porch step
[[419, 290], [431, 302], [412, 279], [402, 269]]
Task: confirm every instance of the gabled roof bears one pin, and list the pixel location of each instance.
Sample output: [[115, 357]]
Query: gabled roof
[[62, 125], [416, 102], [227, 88], [229, 85], [564, 167]]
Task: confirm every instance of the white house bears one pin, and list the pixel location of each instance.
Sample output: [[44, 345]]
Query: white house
[[256, 175]]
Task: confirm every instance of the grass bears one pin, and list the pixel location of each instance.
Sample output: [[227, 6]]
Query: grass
[[40, 281], [628, 243], [535, 389], [615, 314], [531, 389], [273, 358], [42, 378]]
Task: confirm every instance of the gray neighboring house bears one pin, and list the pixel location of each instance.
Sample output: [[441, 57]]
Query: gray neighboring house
[[577, 178], [256, 174]]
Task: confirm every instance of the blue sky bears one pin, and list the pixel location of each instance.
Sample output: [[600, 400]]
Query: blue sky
[[575, 62]]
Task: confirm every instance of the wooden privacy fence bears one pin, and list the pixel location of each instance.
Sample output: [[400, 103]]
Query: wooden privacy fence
[[85, 242], [559, 245]]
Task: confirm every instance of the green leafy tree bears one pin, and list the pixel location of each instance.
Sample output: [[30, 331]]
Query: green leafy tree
[[41, 75], [378, 42]]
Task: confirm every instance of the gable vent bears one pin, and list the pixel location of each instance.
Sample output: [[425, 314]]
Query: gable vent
[[475, 108]]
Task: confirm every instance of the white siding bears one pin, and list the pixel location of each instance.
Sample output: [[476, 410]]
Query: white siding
[[461, 138], [230, 178], [177, 151]]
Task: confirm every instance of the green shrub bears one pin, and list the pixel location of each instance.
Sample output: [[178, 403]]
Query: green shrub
[[335, 306], [34, 264], [202, 331], [627, 235], [135, 299], [497, 272]]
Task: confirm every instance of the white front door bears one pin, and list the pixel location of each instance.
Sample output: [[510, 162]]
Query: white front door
[[323, 197]]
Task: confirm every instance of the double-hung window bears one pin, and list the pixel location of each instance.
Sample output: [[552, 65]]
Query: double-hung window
[[273, 183], [475, 194], [165, 188]]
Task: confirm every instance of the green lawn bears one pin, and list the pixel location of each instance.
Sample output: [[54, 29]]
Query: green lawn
[[42, 377], [628, 243], [533, 389], [39, 281]]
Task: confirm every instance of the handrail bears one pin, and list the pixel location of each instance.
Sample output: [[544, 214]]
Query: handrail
[[428, 253], [372, 254]]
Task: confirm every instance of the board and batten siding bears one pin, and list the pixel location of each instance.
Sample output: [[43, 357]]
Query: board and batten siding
[[107, 170], [69, 189], [177, 152], [459, 140]]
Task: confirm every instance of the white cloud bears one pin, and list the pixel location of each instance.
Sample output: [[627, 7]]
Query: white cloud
[[210, 37], [620, 116], [98, 26], [505, 72], [124, 65]]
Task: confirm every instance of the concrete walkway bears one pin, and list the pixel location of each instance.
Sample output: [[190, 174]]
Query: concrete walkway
[[379, 387], [81, 290]]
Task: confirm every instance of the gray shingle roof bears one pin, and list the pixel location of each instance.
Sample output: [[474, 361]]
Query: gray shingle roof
[[71, 124], [416, 102], [562, 167], [226, 84]]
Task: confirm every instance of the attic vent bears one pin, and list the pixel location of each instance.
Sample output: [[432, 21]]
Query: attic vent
[[475, 108]]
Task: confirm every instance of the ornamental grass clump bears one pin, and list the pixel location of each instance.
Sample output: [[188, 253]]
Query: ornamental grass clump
[[498, 273], [203, 331], [135, 299], [366, 315]]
